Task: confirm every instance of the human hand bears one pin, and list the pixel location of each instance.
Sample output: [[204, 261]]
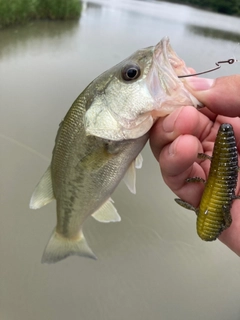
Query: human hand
[[178, 138]]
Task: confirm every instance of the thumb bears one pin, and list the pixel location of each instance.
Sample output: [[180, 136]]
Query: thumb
[[221, 96]]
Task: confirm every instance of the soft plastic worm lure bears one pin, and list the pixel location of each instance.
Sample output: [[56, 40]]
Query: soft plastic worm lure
[[213, 214]]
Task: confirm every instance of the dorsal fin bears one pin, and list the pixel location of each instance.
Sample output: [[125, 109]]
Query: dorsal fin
[[43, 193]]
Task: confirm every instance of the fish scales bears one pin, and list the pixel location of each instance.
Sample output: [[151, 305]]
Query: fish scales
[[213, 214], [99, 141], [75, 167]]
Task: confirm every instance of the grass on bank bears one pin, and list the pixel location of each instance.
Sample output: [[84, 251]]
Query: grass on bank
[[21, 11]]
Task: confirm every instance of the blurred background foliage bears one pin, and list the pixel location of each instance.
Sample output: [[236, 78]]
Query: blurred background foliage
[[22, 11], [231, 7]]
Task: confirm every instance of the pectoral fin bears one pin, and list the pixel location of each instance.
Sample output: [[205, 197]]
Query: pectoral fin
[[43, 193], [107, 213]]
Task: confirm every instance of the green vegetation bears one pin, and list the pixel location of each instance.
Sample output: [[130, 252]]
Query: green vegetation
[[21, 11], [231, 7]]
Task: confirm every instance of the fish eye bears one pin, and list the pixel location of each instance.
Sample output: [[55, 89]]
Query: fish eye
[[131, 72]]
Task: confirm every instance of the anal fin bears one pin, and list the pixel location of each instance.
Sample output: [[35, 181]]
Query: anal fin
[[107, 213]]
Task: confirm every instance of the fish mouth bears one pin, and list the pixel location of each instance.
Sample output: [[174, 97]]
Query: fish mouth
[[167, 60], [165, 54], [167, 90]]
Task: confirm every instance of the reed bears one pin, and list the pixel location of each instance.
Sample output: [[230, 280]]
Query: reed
[[21, 11], [59, 9]]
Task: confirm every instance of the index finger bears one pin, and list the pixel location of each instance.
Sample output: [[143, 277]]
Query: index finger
[[221, 96], [185, 120]]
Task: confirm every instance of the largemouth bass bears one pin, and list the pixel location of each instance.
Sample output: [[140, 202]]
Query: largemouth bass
[[99, 141]]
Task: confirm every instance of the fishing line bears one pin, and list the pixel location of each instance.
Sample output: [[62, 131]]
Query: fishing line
[[229, 61], [236, 51], [24, 146]]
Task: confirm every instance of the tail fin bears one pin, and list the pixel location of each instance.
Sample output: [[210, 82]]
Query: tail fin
[[59, 248]]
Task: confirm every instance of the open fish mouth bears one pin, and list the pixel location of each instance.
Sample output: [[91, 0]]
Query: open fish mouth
[[166, 88], [167, 58]]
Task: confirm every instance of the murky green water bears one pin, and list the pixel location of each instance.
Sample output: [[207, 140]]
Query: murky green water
[[151, 265]]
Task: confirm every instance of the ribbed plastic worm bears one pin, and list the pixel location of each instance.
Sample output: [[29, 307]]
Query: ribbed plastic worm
[[213, 213]]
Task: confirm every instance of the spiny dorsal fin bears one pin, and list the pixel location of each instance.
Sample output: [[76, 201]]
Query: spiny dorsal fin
[[107, 213], [43, 193]]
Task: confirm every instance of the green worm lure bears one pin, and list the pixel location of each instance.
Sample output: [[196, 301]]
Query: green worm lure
[[213, 213]]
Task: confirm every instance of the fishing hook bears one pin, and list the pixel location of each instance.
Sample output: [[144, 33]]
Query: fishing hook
[[229, 61]]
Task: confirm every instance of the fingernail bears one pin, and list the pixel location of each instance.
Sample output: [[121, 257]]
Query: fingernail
[[199, 84], [169, 122]]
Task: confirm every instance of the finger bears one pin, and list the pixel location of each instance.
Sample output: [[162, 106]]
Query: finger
[[191, 70], [230, 237], [235, 122], [221, 96], [185, 120], [178, 162]]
